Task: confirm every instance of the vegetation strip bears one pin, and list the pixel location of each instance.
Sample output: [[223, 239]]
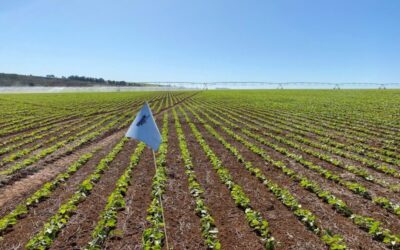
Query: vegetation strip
[[336, 123], [315, 126], [49, 232], [363, 160], [115, 202], [372, 226], [324, 137], [43, 193], [352, 186], [208, 228], [39, 122], [349, 132], [324, 140], [333, 241], [19, 154], [88, 136], [254, 218], [154, 236], [357, 170], [33, 137]]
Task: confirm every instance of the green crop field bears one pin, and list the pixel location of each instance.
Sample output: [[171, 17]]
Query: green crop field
[[254, 169]]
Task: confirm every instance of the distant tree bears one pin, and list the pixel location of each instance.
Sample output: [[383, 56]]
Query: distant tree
[[99, 80]]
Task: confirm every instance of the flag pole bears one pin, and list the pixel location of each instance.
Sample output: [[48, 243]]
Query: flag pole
[[162, 207]]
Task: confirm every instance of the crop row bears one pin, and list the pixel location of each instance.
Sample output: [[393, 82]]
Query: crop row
[[353, 141], [356, 170], [372, 226], [154, 236], [42, 194], [36, 137], [6, 123], [254, 218], [34, 124], [362, 149], [350, 185], [29, 135], [346, 121], [354, 187], [208, 228], [115, 202], [45, 237], [304, 216], [304, 126], [325, 157], [45, 191], [366, 121], [62, 115], [353, 131], [29, 122], [317, 124], [49, 150], [323, 137], [68, 129]]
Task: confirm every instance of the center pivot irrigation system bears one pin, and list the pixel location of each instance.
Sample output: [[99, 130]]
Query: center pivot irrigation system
[[276, 85]]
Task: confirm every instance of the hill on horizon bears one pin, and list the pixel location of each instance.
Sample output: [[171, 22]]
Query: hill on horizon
[[17, 80]]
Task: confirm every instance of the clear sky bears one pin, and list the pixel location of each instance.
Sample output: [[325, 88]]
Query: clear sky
[[207, 40]]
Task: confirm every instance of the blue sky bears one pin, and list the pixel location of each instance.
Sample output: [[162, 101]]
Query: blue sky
[[208, 40]]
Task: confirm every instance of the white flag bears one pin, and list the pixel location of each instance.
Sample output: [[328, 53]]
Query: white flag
[[144, 128]]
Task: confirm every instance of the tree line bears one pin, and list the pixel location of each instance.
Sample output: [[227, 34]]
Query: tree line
[[97, 80]]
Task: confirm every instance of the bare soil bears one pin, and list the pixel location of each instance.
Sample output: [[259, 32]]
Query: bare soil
[[132, 221], [77, 233], [328, 218], [182, 224], [234, 232], [22, 188]]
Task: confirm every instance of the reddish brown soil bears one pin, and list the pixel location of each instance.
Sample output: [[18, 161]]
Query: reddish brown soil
[[339, 136], [312, 136], [27, 130], [30, 225], [72, 126], [234, 232], [60, 154], [22, 188], [77, 233], [44, 141], [288, 231], [41, 133], [63, 120], [70, 185], [356, 202], [132, 221], [183, 226], [328, 218], [372, 187]]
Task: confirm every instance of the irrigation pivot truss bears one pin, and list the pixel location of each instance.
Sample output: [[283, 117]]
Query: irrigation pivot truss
[[272, 85]]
